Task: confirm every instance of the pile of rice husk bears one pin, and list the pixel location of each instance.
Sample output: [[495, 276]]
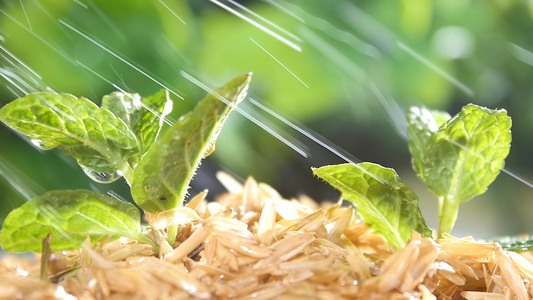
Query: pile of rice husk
[[252, 243]]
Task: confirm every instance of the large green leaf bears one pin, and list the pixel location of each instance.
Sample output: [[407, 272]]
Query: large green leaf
[[460, 159], [162, 176], [71, 216], [382, 199], [97, 139]]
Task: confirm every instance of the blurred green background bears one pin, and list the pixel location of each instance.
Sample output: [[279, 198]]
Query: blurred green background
[[345, 70]]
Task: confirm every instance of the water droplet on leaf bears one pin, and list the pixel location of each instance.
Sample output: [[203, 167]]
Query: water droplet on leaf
[[102, 177], [151, 187]]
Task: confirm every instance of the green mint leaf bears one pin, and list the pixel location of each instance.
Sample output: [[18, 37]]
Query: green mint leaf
[[99, 141], [71, 216], [143, 116], [162, 176], [125, 106], [423, 124], [514, 243], [155, 109], [461, 158], [382, 199]]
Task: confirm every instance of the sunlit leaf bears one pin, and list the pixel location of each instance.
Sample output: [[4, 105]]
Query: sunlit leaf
[[71, 216], [97, 139], [162, 177], [382, 199]]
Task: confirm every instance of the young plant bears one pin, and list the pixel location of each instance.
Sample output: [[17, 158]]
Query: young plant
[[456, 157], [117, 139]]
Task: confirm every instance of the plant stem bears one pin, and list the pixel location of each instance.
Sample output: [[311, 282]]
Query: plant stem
[[448, 209], [172, 232], [127, 172]]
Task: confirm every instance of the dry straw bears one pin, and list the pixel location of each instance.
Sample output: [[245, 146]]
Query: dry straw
[[252, 244]]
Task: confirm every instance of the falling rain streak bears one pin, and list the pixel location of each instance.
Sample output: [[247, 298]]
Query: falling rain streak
[[285, 10], [328, 145], [393, 110], [20, 182], [25, 14], [100, 76], [62, 53], [99, 45], [264, 28], [461, 86], [279, 62], [81, 4], [333, 32], [521, 54], [17, 74], [265, 20], [334, 55], [172, 12], [296, 146]]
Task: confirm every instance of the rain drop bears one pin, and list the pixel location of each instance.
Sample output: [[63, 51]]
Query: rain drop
[[151, 187], [102, 177]]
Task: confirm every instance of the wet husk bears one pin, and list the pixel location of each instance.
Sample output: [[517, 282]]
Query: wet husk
[[252, 243]]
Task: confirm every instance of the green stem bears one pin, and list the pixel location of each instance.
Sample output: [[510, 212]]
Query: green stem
[[127, 172], [448, 209], [172, 232]]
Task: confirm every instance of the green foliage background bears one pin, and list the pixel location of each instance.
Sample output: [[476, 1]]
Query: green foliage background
[[441, 54]]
